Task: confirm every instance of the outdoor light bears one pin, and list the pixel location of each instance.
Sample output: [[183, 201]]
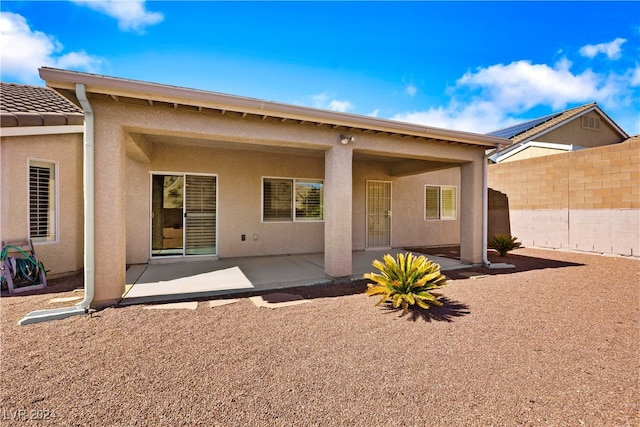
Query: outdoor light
[[347, 139]]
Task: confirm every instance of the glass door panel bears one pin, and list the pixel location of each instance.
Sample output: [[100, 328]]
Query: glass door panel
[[167, 225]]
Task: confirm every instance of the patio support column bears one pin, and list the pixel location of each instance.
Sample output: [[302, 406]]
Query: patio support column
[[110, 220], [471, 211], [338, 196]]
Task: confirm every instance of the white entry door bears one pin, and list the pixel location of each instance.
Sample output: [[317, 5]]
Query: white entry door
[[378, 214], [183, 210]]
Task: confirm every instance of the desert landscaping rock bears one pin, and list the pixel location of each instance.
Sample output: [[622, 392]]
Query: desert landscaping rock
[[553, 342]]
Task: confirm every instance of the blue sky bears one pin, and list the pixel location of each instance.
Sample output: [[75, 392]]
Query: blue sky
[[473, 66]]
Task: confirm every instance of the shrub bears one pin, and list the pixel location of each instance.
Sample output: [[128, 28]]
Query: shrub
[[503, 243], [406, 280]]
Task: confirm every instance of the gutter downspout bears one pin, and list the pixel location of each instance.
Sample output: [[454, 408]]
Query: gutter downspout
[[89, 238], [485, 207]]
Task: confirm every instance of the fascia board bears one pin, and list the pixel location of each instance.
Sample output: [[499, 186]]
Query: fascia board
[[40, 130], [537, 144], [64, 79]]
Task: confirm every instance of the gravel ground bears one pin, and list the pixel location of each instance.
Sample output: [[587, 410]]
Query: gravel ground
[[555, 342]]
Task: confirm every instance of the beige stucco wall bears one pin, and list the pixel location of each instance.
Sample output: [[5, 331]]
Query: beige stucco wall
[[408, 211], [573, 133], [133, 139], [66, 254], [239, 175]]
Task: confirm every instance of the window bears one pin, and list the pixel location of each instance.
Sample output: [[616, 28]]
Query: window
[[285, 199], [42, 201], [309, 200], [440, 202]]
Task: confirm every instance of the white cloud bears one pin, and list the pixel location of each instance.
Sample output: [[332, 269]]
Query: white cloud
[[612, 49], [411, 90], [476, 116], [36, 49], [323, 100], [130, 14], [635, 76], [489, 98], [521, 85]]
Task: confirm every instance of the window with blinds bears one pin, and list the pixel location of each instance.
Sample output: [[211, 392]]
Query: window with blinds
[[200, 215], [432, 202], [285, 199], [42, 201], [277, 199], [440, 202]]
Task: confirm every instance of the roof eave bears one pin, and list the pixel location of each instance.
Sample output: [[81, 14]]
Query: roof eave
[[64, 79]]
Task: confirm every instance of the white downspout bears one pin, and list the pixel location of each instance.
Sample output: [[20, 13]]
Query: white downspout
[[89, 255], [89, 208]]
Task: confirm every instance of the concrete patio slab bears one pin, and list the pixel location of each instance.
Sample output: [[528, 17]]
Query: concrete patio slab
[[222, 302], [179, 281], [188, 305], [278, 300]]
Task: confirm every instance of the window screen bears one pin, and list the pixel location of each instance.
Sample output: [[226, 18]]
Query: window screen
[[277, 199], [287, 199], [440, 202], [432, 197], [308, 200], [42, 198]]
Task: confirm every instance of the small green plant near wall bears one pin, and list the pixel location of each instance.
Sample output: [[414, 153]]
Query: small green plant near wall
[[503, 243], [406, 281]]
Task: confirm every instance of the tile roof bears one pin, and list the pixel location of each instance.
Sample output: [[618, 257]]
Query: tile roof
[[24, 105]]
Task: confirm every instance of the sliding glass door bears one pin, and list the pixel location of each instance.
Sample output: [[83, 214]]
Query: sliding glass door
[[183, 210]]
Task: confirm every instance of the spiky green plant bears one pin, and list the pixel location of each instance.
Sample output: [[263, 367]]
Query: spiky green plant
[[406, 280], [503, 243]]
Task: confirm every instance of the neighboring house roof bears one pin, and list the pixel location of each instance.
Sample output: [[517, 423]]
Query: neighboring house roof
[[24, 105], [523, 134], [153, 93]]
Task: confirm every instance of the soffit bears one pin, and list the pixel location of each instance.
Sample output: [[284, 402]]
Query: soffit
[[397, 165]]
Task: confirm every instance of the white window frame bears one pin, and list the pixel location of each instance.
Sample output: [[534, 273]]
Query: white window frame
[[294, 184], [441, 213], [54, 236], [184, 176]]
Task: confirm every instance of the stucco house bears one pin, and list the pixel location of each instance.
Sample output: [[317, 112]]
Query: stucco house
[[41, 174], [172, 173], [586, 126]]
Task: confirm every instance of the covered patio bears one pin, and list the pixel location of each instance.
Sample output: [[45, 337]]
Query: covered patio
[[186, 280]]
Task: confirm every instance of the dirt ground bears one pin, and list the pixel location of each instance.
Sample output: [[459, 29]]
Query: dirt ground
[[554, 342]]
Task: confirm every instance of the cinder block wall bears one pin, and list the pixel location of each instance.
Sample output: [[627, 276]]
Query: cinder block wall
[[586, 200]]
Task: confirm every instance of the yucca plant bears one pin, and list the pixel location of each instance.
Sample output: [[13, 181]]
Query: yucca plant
[[503, 243], [406, 280]]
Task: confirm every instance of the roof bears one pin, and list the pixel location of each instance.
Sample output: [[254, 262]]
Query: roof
[[531, 129], [152, 93], [24, 105]]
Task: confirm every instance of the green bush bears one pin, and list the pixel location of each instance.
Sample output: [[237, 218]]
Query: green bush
[[406, 280], [503, 243]]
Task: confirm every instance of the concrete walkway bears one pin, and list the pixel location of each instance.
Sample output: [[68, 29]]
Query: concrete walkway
[[179, 281]]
